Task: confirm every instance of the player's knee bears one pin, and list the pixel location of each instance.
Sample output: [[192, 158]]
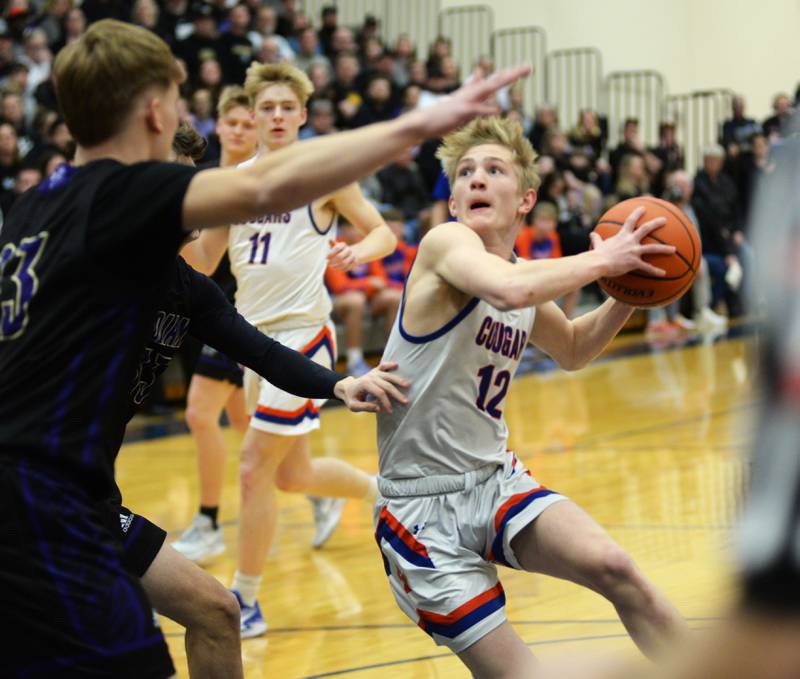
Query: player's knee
[[614, 570], [220, 612], [254, 469], [197, 418], [291, 481]]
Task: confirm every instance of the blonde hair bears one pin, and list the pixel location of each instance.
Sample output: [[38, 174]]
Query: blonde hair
[[231, 97], [491, 130], [260, 76], [98, 76]]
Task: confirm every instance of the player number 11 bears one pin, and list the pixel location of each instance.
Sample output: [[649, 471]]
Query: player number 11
[[264, 240]]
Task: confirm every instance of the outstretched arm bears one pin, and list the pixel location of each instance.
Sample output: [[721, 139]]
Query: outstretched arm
[[216, 322], [298, 174], [457, 255]]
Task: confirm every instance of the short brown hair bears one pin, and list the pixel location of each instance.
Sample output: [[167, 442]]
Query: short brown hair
[[98, 76], [189, 142], [491, 130], [260, 76], [231, 97]]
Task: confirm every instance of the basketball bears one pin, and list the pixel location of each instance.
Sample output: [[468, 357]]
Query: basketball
[[641, 289]]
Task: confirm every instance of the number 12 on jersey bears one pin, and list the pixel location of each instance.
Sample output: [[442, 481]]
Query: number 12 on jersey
[[256, 240], [501, 380]]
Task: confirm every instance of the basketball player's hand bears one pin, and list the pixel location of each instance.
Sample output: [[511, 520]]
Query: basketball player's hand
[[374, 392], [624, 251], [464, 104], [341, 256]]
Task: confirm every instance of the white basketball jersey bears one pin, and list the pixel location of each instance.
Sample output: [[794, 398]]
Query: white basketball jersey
[[279, 263], [459, 378]]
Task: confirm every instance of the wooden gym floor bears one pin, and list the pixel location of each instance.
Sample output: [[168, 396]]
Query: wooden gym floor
[[650, 441]]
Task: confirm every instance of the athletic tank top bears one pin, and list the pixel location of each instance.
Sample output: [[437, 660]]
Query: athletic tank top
[[279, 262], [459, 377]]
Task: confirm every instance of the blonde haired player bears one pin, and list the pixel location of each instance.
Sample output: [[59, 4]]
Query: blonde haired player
[[279, 262], [454, 502]]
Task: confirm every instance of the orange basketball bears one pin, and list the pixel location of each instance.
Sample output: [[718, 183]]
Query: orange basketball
[[641, 289]]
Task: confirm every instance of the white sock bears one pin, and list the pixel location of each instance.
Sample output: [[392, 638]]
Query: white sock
[[247, 586], [372, 490], [354, 356]]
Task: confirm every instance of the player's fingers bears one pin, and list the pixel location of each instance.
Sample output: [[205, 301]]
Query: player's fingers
[[644, 267], [387, 366], [503, 78], [393, 392], [658, 249], [633, 219], [395, 379], [379, 393], [595, 239], [364, 407], [649, 226]]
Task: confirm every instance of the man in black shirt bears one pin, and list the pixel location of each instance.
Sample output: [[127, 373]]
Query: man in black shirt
[[83, 258]]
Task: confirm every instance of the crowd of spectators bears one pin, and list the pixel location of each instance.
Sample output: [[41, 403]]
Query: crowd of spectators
[[360, 79]]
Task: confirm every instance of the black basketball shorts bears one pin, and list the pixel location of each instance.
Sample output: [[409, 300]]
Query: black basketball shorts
[[141, 540], [217, 366]]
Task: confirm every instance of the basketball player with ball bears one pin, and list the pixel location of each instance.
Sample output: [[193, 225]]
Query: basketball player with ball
[[454, 502]]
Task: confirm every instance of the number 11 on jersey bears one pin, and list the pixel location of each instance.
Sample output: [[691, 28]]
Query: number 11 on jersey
[[256, 240]]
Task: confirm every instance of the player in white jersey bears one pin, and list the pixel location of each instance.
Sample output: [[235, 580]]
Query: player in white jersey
[[279, 262], [454, 502]]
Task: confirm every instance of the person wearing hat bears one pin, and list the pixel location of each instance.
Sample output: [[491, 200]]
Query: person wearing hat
[[203, 43]]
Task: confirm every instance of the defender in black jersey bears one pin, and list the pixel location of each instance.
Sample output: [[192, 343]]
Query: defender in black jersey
[[82, 258]]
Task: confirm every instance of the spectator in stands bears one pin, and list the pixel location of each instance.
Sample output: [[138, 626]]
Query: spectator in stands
[[556, 145], [202, 45], [404, 54], [631, 143], [299, 24], [9, 156], [546, 119], [749, 167], [330, 22], [632, 177], [738, 129], [587, 134], [447, 79], [174, 21], [716, 203], [774, 126], [270, 51], [668, 151], [403, 188], [309, 52], [369, 32], [347, 96], [211, 77], [321, 119], [440, 48], [377, 105], [287, 13], [52, 20], [266, 23], [361, 290], [320, 76], [516, 102], [236, 51], [96, 10], [343, 41], [202, 117], [7, 56], [13, 113], [26, 177], [37, 57], [396, 266]]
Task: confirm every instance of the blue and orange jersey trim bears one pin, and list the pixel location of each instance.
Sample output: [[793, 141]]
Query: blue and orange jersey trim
[[509, 509], [465, 616], [324, 338], [307, 411], [401, 540]]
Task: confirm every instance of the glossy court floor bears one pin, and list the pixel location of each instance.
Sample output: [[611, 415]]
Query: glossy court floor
[[651, 441]]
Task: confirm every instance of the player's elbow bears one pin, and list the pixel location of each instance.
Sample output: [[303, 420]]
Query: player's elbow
[[508, 294]]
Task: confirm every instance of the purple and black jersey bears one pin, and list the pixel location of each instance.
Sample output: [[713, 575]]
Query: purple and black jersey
[[83, 258]]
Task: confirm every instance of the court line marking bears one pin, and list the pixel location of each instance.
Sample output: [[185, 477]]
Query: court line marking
[[407, 625], [439, 656]]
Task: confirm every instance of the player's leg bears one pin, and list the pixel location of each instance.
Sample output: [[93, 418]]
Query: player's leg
[[326, 481], [385, 303], [236, 410], [207, 396], [565, 542], [500, 654], [262, 453], [185, 593], [350, 307]]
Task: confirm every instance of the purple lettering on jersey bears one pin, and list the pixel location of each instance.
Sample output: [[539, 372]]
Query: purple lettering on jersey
[[282, 218], [501, 338], [480, 338]]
